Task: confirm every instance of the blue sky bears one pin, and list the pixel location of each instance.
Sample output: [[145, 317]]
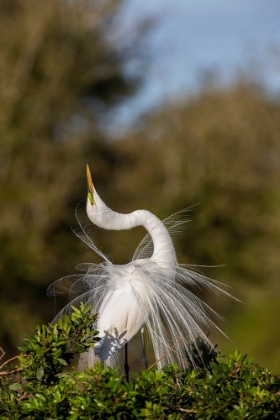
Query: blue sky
[[191, 37]]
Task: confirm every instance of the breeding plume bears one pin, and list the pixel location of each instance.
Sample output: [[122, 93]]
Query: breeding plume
[[152, 291]]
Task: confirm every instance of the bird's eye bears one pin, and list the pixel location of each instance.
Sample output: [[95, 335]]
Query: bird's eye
[[90, 197]]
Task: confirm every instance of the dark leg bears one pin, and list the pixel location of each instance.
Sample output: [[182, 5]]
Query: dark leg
[[126, 366], [144, 356]]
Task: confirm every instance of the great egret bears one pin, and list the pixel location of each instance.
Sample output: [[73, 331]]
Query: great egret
[[151, 291]]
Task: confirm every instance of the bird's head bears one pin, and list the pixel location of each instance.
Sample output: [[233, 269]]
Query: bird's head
[[97, 210]]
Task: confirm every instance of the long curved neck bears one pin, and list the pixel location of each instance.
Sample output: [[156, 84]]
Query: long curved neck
[[164, 253]]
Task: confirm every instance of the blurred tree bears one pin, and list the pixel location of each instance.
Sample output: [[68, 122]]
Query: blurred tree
[[59, 72]]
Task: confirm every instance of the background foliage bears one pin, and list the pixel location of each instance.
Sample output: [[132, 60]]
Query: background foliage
[[62, 71], [58, 70]]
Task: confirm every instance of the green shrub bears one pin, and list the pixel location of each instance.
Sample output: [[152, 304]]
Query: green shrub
[[232, 387]]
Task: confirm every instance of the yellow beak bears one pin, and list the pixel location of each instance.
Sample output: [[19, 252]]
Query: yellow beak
[[89, 180]]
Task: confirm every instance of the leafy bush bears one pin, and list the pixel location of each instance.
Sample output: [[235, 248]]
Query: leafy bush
[[232, 387]]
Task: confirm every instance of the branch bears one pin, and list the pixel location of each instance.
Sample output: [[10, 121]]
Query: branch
[[9, 372], [23, 396], [166, 353], [188, 411], [3, 353], [7, 361]]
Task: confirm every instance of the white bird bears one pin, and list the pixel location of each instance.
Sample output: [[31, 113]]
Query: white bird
[[151, 291]]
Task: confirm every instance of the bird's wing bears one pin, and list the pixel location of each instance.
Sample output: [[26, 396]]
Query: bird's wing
[[77, 284], [66, 284], [174, 224], [89, 288]]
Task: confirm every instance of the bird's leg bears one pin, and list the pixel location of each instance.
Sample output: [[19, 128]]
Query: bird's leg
[[144, 356], [126, 366]]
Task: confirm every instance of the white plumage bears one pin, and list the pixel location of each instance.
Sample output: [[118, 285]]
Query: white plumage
[[152, 290]]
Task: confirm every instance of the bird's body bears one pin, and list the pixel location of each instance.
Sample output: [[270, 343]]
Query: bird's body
[[153, 290], [118, 326]]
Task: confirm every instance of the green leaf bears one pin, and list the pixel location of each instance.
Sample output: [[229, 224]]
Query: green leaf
[[40, 373], [15, 387], [76, 310], [62, 361]]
